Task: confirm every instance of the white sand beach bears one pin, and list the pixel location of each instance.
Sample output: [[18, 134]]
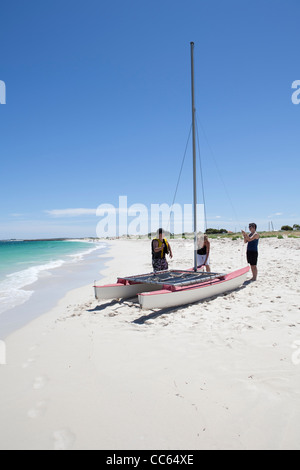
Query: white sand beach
[[220, 374]]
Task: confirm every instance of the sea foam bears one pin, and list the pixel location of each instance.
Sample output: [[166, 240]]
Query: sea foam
[[12, 291]]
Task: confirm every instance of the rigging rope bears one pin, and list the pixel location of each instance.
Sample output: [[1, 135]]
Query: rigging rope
[[202, 180], [223, 183], [202, 177], [201, 173], [219, 173], [180, 173]]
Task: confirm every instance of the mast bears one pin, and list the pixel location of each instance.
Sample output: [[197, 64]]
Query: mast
[[194, 159]]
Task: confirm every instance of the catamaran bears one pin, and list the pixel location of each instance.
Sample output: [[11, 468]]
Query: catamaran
[[175, 288]]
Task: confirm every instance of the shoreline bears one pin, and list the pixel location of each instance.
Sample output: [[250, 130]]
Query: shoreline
[[50, 286], [220, 374]]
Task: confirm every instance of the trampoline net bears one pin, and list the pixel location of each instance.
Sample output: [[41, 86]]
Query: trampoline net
[[174, 278]]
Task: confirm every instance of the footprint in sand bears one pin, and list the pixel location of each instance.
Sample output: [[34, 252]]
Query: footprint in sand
[[296, 354], [39, 410], [28, 363], [63, 439], [39, 383]]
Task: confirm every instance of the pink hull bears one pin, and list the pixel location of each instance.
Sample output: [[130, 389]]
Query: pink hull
[[153, 296]]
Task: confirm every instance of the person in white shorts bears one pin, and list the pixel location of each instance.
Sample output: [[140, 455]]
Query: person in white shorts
[[203, 255]]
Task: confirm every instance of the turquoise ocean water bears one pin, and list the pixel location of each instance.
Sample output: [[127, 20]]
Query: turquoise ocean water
[[23, 263]]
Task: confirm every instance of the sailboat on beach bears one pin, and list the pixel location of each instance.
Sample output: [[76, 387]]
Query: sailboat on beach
[[175, 287]]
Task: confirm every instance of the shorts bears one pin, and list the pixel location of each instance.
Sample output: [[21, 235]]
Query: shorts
[[201, 260], [252, 257], [160, 265]]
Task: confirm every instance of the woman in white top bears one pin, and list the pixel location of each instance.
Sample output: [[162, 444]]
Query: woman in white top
[[203, 255]]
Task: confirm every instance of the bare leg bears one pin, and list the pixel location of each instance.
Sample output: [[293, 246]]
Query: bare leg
[[254, 272]]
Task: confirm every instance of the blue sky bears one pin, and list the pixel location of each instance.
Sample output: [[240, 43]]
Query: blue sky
[[98, 106]]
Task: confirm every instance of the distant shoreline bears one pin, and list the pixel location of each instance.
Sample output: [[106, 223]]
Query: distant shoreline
[[85, 239], [263, 234]]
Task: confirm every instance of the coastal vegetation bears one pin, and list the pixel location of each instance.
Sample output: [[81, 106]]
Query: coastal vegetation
[[216, 233]]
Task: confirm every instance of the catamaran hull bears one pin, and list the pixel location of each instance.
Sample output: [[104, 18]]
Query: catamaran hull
[[122, 291], [188, 295], [152, 296]]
